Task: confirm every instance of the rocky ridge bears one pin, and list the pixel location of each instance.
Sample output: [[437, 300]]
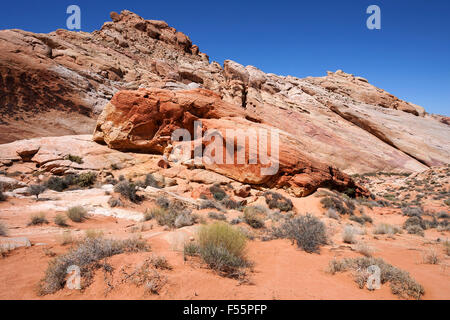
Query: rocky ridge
[[58, 83]]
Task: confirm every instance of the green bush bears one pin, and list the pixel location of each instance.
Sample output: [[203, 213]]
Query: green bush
[[128, 190], [75, 159], [86, 179], [222, 247], [308, 231], [77, 214], [218, 193], [277, 201], [36, 190]]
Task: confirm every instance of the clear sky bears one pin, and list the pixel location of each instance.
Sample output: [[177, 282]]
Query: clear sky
[[409, 57]]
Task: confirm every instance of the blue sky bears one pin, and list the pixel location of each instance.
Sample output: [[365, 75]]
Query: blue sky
[[409, 56]]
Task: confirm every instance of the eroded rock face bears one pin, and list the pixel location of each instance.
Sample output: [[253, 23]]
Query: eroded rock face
[[58, 83], [144, 121]]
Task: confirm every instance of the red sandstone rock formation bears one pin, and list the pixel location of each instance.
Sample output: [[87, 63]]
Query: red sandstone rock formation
[[58, 83]]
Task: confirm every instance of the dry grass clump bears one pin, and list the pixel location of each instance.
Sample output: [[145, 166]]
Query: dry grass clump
[[176, 215], [77, 214], [93, 234], [147, 275], [308, 231], [38, 219], [277, 201], [221, 247], [384, 228], [60, 220], [348, 234], [342, 205], [217, 216], [430, 257], [128, 190], [254, 216], [400, 281], [364, 249], [86, 256], [446, 245]]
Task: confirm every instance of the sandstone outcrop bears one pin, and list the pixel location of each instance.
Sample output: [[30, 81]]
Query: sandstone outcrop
[[58, 83], [144, 121]]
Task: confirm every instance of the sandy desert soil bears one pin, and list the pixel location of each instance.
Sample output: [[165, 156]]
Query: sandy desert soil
[[280, 269]]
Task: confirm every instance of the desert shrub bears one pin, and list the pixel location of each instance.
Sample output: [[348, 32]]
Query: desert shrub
[[2, 196], [56, 184], [415, 229], [128, 190], [217, 216], [412, 211], [175, 216], [93, 234], [400, 281], [191, 249], [431, 257], [86, 179], [348, 235], [308, 231], [150, 181], [343, 206], [222, 248], [38, 219], [77, 214], [163, 216], [184, 219], [331, 213], [364, 249], [36, 190], [75, 159], [254, 216], [414, 221], [86, 256], [447, 202], [115, 202], [218, 193], [236, 221], [163, 202], [160, 263], [357, 219], [60, 220], [209, 204], [446, 245], [231, 204], [3, 230], [384, 228], [277, 201]]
